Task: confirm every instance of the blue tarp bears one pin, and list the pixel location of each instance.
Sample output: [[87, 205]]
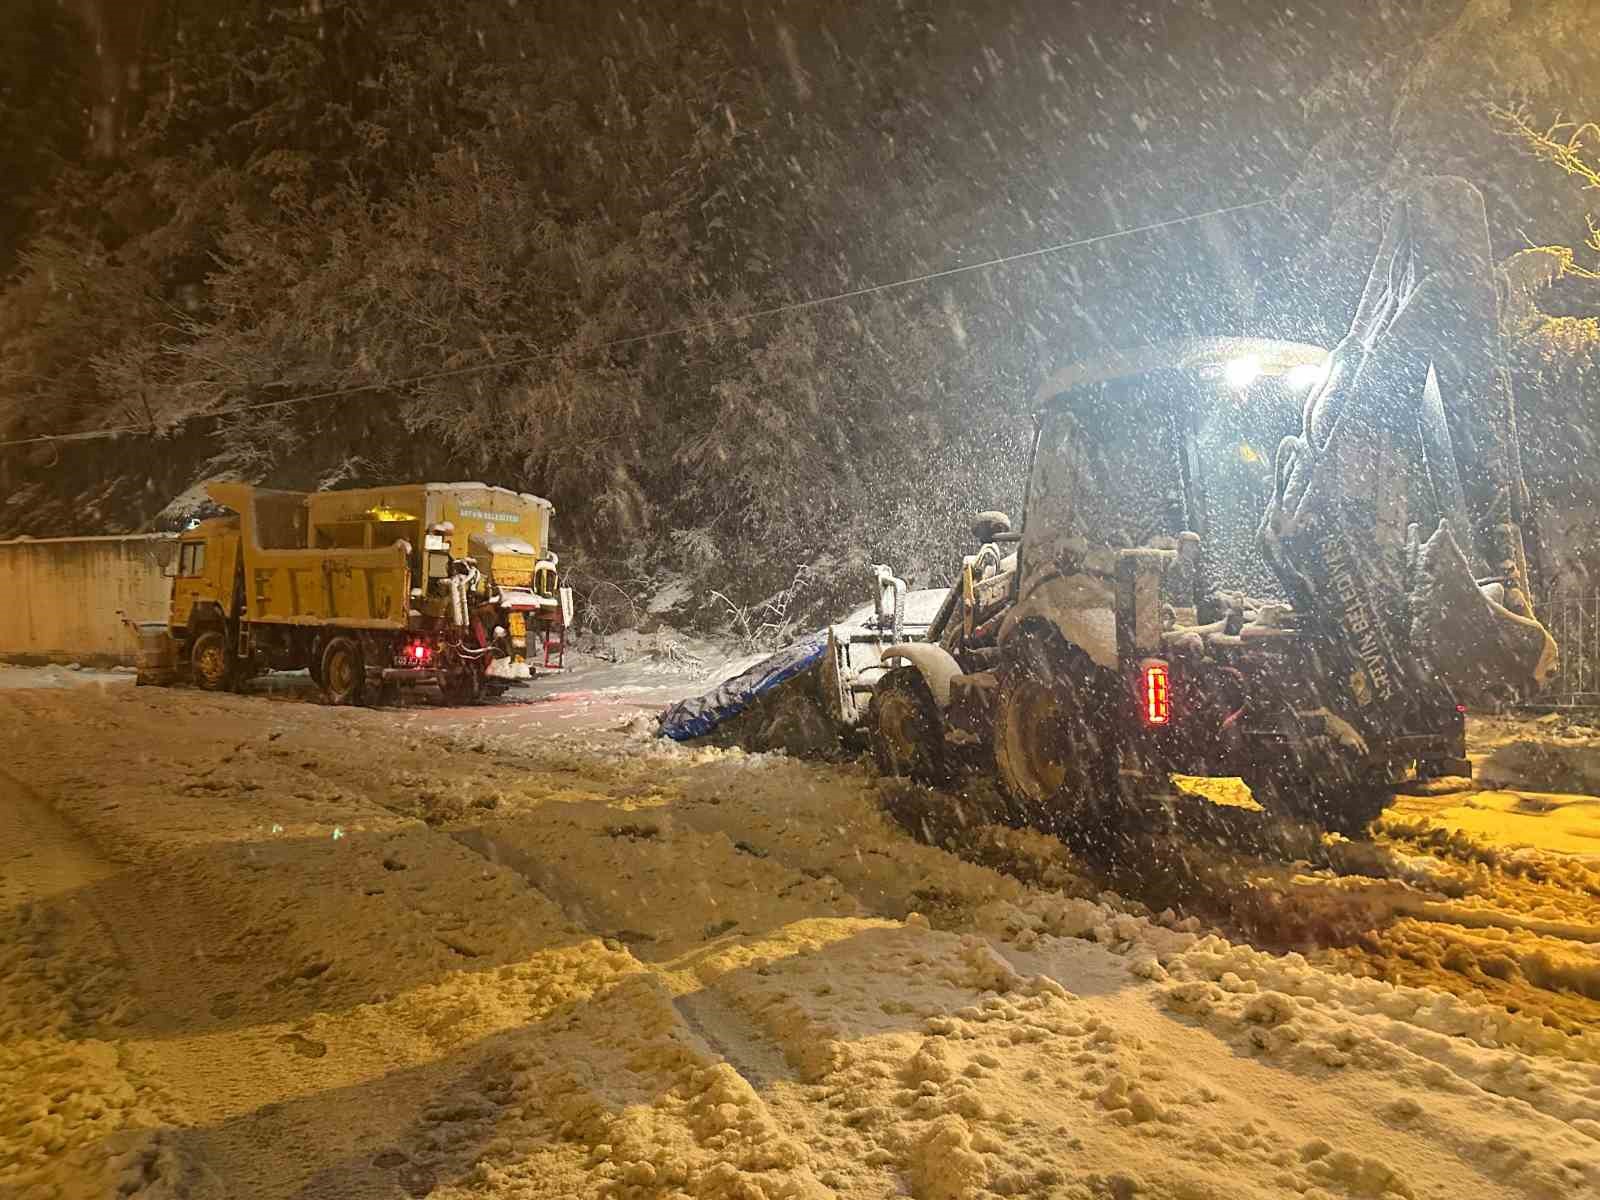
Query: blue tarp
[[699, 715]]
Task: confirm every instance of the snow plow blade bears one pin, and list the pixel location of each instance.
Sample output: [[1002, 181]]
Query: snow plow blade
[[156, 660], [698, 716]]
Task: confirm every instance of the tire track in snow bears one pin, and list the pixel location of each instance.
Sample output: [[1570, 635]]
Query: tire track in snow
[[76, 1114]]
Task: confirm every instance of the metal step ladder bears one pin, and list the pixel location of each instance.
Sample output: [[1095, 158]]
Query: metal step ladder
[[555, 646]]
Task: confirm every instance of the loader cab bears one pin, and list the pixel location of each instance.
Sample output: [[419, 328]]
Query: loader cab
[[1138, 448]]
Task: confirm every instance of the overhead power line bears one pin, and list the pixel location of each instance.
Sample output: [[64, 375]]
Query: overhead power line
[[674, 331]]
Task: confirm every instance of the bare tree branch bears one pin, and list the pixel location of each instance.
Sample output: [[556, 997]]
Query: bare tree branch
[[1567, 154], [1563, 145]]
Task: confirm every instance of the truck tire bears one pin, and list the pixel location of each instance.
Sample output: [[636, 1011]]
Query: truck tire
[[462, 685], [211, 661], [387, 695], [1051, 760], [906, 728], [344, 671]]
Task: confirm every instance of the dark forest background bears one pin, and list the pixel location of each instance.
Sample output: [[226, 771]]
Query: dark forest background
[[211, 204]]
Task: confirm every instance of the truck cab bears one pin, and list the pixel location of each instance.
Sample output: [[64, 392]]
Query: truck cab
[[205, 595]]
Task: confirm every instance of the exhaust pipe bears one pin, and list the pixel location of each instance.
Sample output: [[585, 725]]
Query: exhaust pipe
[[887, 583]]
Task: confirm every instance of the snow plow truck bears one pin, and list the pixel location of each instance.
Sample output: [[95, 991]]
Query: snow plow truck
[[370, 590]]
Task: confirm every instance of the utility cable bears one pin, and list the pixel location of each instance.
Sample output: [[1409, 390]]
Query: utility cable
[[675, 331]]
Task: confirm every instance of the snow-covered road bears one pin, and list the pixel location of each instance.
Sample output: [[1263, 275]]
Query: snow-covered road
[[277, 949]]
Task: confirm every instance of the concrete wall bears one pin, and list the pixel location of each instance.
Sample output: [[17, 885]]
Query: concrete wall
[[60, 597]]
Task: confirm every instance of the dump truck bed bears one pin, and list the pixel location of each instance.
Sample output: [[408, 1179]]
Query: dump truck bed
[[350, 558], [474, 511], [287, 581]]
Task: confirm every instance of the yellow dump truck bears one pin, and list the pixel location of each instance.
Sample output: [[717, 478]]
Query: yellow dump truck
[[370, 589]]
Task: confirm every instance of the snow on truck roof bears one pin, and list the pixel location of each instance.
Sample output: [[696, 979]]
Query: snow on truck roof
[[1269, 355], [458, 488], [230, 494], [488, 487]]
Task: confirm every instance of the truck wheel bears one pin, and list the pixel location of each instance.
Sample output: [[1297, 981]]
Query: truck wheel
[[387, 695], [213, 665], [460, 686], [1051, 761], [905, 727], [344, 673]]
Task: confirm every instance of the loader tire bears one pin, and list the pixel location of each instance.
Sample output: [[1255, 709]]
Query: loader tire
[[1352, 809], [344, 671], [211, 661], [906, 729], [1056, 767], [1345, 807]]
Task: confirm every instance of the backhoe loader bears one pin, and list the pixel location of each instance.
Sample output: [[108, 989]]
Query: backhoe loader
[[1222, 571]]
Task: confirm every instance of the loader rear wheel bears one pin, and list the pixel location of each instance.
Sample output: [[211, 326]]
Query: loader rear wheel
[[1346, 807], [213, 664], [1349, 810], [344, 673], [906, 729], [1054, 767]]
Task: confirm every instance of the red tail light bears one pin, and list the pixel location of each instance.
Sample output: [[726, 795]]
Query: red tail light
[[419, 652], [1155, 694]]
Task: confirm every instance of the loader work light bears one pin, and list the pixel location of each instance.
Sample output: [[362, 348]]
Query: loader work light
[[1306, 375], [1241, 372], [1155, 693]]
